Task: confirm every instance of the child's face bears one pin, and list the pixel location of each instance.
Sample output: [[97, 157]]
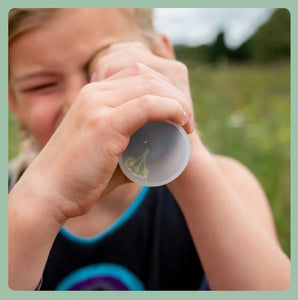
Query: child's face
[[48, 65]]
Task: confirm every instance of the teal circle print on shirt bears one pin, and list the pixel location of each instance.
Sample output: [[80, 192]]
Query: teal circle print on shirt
[[104, 276]]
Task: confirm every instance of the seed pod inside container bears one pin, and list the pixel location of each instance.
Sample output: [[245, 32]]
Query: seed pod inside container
[[156, 154]]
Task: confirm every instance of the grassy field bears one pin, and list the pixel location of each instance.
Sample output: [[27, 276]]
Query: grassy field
[[243, 112]]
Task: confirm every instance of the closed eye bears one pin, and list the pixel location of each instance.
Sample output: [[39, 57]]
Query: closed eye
[[47, 87]]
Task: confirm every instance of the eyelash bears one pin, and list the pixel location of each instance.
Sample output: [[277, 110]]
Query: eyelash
[[39, 88]]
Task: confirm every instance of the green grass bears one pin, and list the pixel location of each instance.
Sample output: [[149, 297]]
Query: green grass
[[243, 112], [13, 144]]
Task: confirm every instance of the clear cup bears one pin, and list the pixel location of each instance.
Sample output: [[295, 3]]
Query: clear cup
[[156, 154]]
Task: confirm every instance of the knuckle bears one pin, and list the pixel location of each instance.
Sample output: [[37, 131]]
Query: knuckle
[[137, 68], [146, 103], [147, 81], [104, 124], [104, 67], [85, 100], [150, 77], [94, 120], [181, 67], [103, 117], [141, 68], [176, 106], [183, 71], [154, 83], [114, 147]]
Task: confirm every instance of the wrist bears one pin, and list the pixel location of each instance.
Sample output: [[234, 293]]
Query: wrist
[[32, 229], [193, 178], [199, 151], [33, 201]]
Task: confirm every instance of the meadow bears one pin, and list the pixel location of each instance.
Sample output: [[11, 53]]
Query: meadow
[[242, 111]]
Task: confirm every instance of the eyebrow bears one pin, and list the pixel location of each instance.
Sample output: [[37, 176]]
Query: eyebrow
[[39, 74], [33, 76]]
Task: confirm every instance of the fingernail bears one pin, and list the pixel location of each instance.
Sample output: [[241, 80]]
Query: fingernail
[[185, 118], [93, 77]]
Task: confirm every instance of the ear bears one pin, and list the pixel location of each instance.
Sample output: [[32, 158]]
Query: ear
[[14, 105], [162, 46]]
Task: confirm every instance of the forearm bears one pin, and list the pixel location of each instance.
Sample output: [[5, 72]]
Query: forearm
[[235, 250], [32, 230]]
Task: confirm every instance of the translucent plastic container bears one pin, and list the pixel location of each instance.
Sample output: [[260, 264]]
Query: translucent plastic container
[[156, 155]]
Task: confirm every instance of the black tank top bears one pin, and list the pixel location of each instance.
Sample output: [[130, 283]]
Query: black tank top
[[148, 248]]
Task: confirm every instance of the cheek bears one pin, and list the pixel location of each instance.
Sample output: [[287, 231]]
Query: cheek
[[43, 119]]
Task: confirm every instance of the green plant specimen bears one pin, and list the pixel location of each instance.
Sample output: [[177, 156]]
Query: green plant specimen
[[138, 165]]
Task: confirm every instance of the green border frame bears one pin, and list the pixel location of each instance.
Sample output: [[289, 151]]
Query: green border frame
[[291, 293]]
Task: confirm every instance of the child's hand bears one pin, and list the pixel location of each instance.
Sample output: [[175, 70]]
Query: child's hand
[[76, 165], [116, 61], [119, 60]]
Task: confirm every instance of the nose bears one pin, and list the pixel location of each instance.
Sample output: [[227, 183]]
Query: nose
[[72, 86]]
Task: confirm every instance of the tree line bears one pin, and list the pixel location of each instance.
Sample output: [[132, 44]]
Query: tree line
[[269, 43]]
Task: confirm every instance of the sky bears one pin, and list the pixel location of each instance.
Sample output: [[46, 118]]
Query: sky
[[196, 26]]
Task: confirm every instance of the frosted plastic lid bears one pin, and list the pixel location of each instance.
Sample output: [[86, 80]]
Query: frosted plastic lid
[[156, 154]]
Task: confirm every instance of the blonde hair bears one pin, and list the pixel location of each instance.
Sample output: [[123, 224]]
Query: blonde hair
[[143, 18], [22, 20]]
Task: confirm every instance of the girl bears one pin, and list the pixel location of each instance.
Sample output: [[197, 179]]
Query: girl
[[74, 223]]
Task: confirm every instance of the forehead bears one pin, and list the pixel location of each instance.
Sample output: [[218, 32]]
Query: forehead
[[102, 21], [72, 34]]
